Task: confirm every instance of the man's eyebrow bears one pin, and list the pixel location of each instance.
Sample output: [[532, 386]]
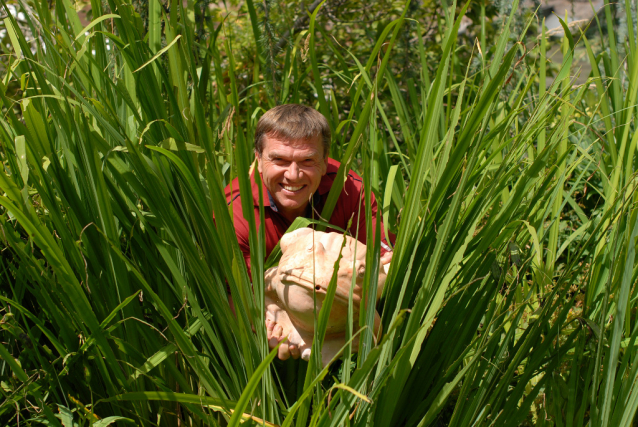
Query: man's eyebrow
[[275, 154]]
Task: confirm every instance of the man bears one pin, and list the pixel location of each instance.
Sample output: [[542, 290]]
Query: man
[[292, 144]]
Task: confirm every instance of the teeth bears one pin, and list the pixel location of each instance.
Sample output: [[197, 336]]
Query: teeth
[[290, 188]]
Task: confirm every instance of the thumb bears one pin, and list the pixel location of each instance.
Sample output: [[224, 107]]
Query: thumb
[[386, 258]]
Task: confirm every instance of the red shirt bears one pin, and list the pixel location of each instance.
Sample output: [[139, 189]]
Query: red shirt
[[276, 225]]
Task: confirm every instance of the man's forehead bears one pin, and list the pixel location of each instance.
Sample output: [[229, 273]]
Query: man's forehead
[[287, 146]]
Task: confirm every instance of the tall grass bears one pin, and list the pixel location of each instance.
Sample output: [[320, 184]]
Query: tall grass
[[511, 296]]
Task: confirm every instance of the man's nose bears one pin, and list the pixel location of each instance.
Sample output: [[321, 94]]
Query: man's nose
[[293, 172]]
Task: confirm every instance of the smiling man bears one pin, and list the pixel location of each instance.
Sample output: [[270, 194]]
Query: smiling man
[[291, 170], [292, 144]]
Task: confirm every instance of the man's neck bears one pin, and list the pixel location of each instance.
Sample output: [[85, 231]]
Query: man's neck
[[291, 215]]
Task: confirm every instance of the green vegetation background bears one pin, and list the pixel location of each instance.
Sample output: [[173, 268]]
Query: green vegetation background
[[503, 156]]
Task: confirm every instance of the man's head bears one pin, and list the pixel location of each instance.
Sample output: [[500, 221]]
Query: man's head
[[292, 143], [292, 122]]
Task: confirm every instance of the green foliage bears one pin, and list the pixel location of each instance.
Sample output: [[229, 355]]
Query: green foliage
[[511, 298]]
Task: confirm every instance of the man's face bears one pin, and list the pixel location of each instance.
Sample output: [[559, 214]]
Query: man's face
[[291, 171]]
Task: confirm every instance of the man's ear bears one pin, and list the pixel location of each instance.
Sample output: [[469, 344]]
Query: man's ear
[[258, 157], [324, 166]]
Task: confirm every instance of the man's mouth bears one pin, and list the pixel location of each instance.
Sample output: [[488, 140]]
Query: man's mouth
[[292, 188]]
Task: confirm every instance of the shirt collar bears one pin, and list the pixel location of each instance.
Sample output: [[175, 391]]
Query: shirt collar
[[273, 205], [266, 194]]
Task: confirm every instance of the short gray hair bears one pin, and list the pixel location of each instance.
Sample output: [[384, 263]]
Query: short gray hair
[[293, 122]]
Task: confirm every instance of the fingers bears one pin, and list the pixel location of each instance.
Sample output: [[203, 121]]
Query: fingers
[[305, 354], [272, 343], [294, 351], [276, 332], [270, 324], [386, 258], [284, 352], [274, 335]]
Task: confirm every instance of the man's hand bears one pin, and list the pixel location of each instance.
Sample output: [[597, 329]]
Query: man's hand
[[385, 261], [275, 334]]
